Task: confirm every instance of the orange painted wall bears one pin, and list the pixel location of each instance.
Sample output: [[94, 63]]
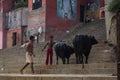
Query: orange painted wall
[[10, 36]]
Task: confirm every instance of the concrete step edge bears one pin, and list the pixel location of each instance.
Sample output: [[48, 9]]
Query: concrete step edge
[[58, 75]]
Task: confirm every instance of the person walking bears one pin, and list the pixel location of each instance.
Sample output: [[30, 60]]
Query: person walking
[[29, 55]]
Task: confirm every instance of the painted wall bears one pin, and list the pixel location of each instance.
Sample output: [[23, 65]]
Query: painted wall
[[93, 9], [55, 21], [67, 9]]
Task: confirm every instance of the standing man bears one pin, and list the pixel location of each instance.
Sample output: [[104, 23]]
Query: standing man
[[29, 55], [49, 53]]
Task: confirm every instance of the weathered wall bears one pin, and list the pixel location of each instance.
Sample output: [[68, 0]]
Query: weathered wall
[[24, 16], [15, 20], [110, 25], [10, 37], [6, 6], [36, 19], [3, 9]]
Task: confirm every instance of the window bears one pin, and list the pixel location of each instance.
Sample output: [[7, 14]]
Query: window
[[36, 4]]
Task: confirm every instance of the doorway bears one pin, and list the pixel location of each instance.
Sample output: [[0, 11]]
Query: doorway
[[14, 39], [82, 13]]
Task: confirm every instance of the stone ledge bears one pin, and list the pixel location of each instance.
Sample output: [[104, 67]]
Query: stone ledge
[[57, 77]]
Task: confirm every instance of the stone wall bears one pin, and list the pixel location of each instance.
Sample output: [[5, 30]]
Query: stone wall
[[110, 25]]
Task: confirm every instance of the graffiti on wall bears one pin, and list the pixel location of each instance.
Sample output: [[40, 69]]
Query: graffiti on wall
[[93, 9], [67, 9]]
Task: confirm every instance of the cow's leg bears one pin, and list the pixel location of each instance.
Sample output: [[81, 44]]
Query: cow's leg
[[67, 60], [76, 58], [86, 55], [86, 60], [63, 60], [57, 59], [80, 58]]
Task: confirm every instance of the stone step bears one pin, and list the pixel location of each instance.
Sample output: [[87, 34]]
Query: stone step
[[93, 58], [70, 66], [57, 77], [93, 68], [65, 71]]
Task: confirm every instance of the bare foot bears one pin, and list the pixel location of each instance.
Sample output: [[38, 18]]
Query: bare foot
[[21, 71]]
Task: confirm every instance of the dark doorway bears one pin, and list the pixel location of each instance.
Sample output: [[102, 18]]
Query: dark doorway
[[82, 13], [14, 38]]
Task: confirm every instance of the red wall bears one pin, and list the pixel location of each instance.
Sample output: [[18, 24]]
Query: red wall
[[30, 4], [44, 2], [58, 25], [102, 3], [0, 5], [53, 21], [7, 5]]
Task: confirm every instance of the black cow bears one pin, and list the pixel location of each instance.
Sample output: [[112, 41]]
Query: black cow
[[63, 51], [82, 46]]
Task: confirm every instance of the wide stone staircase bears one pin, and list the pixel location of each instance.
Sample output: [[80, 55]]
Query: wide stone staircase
[[101, 64]]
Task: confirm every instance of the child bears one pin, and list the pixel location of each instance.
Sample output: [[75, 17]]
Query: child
[[29, 55], [49, 52]]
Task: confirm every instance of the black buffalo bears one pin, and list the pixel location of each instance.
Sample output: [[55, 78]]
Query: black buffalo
[[63, 51], [82, 46]]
